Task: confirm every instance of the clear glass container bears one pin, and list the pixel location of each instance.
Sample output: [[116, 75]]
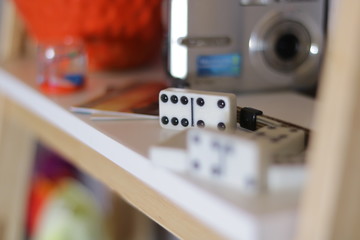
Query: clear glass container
[[62, 68]]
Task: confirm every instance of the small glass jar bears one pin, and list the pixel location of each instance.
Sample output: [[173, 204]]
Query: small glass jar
[[62, 67]]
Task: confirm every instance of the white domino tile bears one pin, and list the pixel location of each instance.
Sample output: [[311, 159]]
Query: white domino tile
[[181, 108], [241, 161]]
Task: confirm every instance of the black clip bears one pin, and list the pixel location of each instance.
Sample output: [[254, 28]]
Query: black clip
[[247, 118]]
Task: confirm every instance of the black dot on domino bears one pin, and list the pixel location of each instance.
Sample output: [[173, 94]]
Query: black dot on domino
[[165, 120], [164, 98], [221, 126], [216, 171], [221, 103], [175, 121], [200, 123], [275, 139], [215, 144], [184, 100], [260, 134], [174, 99], [250, 182], [278, 138], [184, 122], [283, 136], [228, 149], [195, 164], [293, 130], [200, 102], [196, 139]]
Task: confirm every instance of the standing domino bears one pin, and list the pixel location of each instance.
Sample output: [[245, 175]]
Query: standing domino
[[241, 161], [180, 108]]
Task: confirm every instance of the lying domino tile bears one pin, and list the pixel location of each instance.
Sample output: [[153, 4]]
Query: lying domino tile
[[180, 109], [170, 153], [281, 141], [241, 161]]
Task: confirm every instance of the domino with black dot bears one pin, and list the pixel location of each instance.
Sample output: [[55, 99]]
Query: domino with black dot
[[241, 161], [281, 141], [183, 108]]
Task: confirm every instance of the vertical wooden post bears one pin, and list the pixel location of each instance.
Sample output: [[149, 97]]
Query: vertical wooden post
[[2, 117], [16, 158], [331, 208], [12, 32], [2, 114]]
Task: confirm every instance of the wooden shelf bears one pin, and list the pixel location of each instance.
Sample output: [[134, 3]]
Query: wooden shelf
[[113, 153], [116, 153]]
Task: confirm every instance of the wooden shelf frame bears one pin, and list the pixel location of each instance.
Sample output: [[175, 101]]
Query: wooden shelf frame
[[112, 153], [330, 207], [20, 127], [16, 161], [126, 185]]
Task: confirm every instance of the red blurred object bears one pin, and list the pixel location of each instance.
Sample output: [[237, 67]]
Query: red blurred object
[[118, 34], [49, 171], [48, 88], [40, 191]]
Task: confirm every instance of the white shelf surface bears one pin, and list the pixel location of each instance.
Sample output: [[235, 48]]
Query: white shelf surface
[[127, 143]]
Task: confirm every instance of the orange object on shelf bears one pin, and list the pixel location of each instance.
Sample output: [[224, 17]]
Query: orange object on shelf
[[118, 34]]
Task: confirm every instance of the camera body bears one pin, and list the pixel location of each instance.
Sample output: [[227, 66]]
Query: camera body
[[246, 45]]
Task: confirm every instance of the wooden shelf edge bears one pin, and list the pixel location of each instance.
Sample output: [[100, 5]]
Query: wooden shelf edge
[[136, 192]]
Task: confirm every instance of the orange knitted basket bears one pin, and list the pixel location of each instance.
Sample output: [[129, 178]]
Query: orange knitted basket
[[118, 34]]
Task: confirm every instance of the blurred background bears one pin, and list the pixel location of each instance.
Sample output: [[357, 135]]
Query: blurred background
[[64, 203], [117, 34]]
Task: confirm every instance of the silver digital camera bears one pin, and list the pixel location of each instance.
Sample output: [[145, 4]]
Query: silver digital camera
[[245, 45]]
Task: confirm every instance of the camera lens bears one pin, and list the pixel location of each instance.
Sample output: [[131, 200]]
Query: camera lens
[[287, 46]]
